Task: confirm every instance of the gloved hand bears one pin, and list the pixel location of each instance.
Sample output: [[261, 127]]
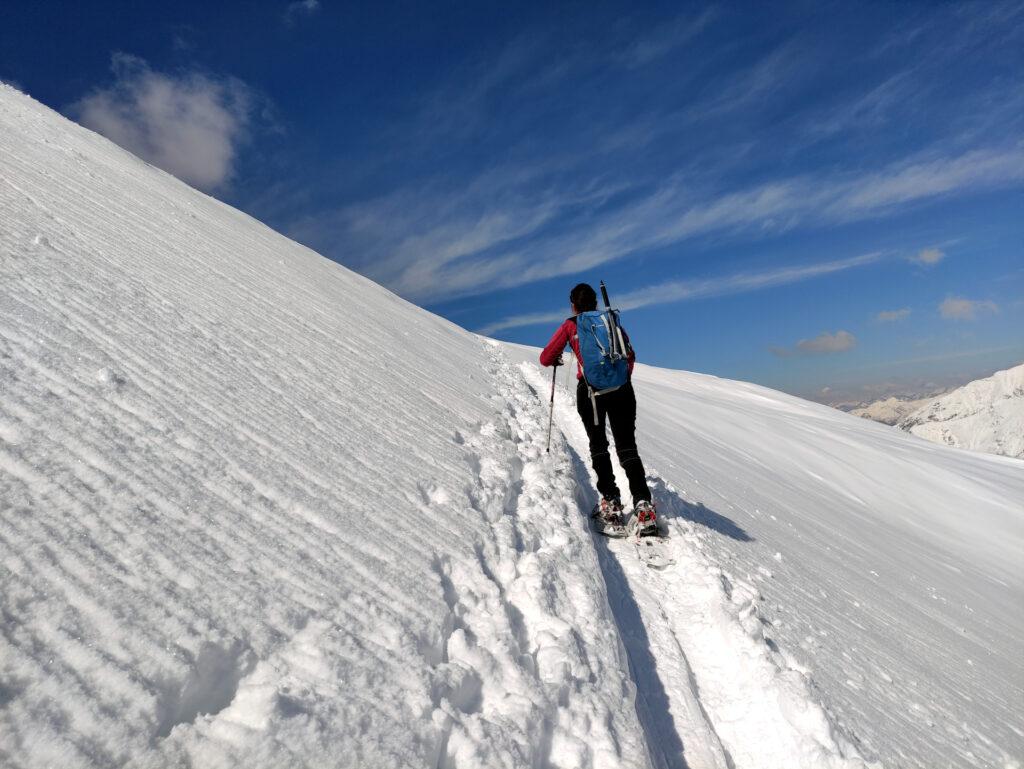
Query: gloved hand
[[559, 361]]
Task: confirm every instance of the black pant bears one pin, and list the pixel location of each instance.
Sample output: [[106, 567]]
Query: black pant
[[618, 408]]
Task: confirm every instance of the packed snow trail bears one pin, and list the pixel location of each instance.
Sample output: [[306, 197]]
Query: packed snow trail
[[712, 690], [257, 511]]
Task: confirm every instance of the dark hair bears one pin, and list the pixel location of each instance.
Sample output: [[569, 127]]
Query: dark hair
[[583, 298]]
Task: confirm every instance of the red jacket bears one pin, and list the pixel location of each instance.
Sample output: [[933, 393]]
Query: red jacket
[[566, 335]]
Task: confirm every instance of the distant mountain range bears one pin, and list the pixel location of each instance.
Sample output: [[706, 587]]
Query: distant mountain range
[[983, 415], [891, 410]]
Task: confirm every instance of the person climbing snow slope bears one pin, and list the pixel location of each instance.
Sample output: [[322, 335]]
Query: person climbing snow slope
[[615, 408]]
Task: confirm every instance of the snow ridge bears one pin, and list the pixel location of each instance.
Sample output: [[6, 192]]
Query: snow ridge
[[983, 415], [257, 511]]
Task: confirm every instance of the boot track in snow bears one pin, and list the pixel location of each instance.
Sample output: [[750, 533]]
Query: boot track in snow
[[522, 675]]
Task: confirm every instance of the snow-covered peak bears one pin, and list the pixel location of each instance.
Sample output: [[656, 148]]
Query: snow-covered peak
[[983, 415]]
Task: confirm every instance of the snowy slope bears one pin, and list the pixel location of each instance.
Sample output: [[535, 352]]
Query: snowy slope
[[890, 410], [984, 415], [870, 572], [256, 511]]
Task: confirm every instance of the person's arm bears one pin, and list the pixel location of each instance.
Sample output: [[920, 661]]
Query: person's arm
[[551, 355]]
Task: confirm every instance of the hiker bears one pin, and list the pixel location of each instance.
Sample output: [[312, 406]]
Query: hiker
[[617, 407]]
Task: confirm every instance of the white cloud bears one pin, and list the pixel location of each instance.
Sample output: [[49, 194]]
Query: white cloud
[[190, 125], [958, 308], [826, 343], [684, 290], [823, 344], [300, 8], [888, 316], [928, 257]]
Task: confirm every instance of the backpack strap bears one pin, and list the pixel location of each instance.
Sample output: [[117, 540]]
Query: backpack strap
[[590, 390]]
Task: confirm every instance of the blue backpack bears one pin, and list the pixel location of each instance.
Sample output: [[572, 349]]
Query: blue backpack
[[603, 351]]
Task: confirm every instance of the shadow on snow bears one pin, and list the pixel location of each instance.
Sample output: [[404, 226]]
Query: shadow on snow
[[652, 703], [671, 505]]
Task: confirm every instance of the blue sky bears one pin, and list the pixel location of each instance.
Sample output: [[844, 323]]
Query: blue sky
[[805, 195]]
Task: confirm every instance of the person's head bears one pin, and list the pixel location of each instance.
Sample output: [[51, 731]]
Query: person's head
[[583, 298]]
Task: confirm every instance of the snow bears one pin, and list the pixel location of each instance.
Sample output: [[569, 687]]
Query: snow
[[257, 511], [891, 410], [865, 566], [983, 415]]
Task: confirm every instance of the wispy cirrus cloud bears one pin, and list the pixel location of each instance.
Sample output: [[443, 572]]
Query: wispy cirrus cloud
[[523, 74], [298, 8], [689, 290], [875, 107], [516, 227], [189, 125], [674, 34], [759, 82], [929, 177], [575, 187], [437, 242], [738, 283]]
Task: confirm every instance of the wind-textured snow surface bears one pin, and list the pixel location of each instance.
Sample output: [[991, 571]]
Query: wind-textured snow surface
[[256, 511], [983, 415], [824, 559]]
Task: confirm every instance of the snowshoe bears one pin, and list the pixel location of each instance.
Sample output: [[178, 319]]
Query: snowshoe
[[651, 545], [644, 522], [607, 517]]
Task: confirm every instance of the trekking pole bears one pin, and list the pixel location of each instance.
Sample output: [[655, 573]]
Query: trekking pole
[[551, 413], [615, 332]]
